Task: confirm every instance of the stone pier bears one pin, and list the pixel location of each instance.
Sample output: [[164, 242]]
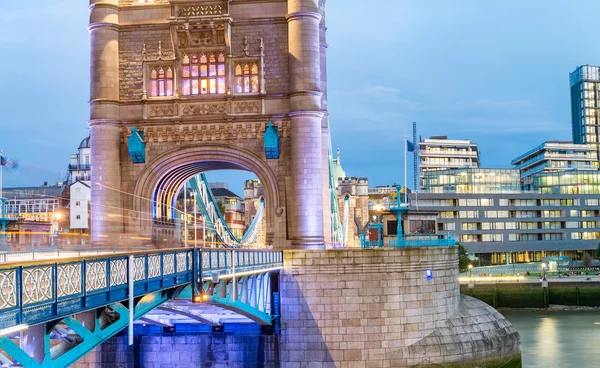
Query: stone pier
[[379, 308]]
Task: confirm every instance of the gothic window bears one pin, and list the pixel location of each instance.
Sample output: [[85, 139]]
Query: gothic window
[[161, 81], [246, 77], [203, 73]]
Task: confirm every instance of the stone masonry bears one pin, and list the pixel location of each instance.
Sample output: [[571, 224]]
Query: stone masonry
[[376, 308], [186, 134]]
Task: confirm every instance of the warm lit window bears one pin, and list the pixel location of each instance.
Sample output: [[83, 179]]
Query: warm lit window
[[161, 81], [77, 203], [246, 78], [203, 74]]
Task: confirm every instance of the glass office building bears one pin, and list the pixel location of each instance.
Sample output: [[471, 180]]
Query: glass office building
[[554, 156], [472, 181], [517, 227], [568, 182], [585, 103]]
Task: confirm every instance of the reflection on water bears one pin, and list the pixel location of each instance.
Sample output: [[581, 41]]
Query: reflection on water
[[558, 339]]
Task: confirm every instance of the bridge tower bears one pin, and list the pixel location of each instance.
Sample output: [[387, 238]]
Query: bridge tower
[[200, 80]]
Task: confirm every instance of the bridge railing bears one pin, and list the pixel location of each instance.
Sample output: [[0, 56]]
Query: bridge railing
[[35, 292], [223, 262], [412, 241], [41, 291]]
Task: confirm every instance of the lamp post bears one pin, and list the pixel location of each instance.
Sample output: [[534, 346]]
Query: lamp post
[[195, 220], [185, 219], [543, 272], [471, 276]]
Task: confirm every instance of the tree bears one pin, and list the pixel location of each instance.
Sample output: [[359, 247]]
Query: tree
[[221, 207], [587, 260], [598, 251], [463, 258]]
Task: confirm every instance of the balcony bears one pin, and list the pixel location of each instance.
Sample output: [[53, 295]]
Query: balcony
[[79, 167]]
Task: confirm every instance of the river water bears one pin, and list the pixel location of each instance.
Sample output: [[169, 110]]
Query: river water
[[558, 339]]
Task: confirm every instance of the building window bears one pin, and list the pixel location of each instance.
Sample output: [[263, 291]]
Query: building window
[[246, 78], [78, 217], [77, 203], [161, 81], [203, 74]]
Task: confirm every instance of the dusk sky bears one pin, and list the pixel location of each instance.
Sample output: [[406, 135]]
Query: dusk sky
[[494, 72]]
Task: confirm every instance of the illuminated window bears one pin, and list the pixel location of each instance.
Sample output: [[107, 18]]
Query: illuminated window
[[203, 74], [161, 81], [246, 78]]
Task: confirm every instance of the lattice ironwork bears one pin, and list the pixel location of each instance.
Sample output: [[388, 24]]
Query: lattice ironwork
[[153, 266], [37, 284], [95, 276], [8, 289], [69, 280], [118, 272], [181, 262], [138, 269], [168, 264]]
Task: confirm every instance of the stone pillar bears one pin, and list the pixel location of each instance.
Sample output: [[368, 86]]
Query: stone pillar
[[34, 342], [106, 204], [306, 120]]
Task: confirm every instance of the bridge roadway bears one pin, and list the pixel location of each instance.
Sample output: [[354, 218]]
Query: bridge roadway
[[85, 300]]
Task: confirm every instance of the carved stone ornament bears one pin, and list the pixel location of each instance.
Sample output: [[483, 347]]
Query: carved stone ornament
[[161, 110], [247, 107], [203, 109], [201, 10]]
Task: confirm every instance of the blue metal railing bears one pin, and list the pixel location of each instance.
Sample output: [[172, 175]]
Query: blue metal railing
[[411, 241], [47, 290], [422, 241]]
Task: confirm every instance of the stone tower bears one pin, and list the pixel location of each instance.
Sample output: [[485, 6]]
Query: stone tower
[[200, 80]]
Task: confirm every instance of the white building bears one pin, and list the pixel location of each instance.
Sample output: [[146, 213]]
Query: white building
[[555, 156], [80, 187], [80, 203], [441, 153]]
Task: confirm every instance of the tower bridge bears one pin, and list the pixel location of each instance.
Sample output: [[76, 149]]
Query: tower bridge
[[182, 87]]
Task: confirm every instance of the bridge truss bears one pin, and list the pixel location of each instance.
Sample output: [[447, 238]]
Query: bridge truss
[[84, 301]]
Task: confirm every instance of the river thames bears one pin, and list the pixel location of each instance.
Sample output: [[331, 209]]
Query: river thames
[[558, 339]]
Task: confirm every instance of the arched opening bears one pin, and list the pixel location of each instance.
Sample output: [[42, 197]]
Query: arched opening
[[161, 182]]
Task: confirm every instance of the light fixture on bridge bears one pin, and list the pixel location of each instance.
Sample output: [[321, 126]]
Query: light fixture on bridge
[[429, 274], [11, 330], [272, 144], [136, 146]]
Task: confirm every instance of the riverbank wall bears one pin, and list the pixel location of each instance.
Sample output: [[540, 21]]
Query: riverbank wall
[[533, 295]]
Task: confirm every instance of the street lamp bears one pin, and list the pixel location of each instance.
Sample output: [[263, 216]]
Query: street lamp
[[543, 272], [470, 276]]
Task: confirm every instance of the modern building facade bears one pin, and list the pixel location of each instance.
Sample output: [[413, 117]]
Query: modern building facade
[[517, 227], [585, 104], [472, 181], [441, 153], [45, 204], [554, 156]]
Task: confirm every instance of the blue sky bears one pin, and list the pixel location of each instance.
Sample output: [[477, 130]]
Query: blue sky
[[495, 72]]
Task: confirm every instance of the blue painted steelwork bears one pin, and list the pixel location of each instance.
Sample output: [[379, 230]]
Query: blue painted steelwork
[[272, 142], [336, 225], [214, 218], [48, 292], [136, 146], [423, 241]]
